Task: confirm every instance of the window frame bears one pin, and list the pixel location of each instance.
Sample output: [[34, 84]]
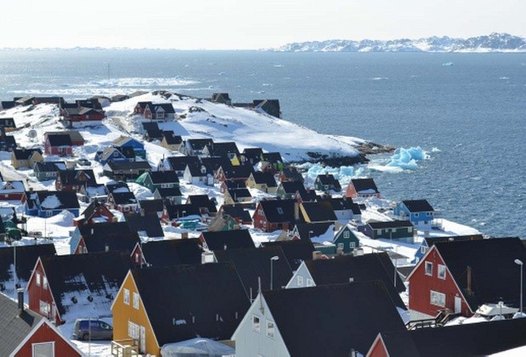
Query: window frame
[[256, 325], [136, 301], [430, 264], [300, 280], [441, 267], [126, 296], [270, 329], [440, 298], [49, 343]]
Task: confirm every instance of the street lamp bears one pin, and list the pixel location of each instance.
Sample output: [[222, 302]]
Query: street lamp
[[521, 264], [272, 260]]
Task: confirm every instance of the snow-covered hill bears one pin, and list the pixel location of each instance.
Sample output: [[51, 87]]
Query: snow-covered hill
[[495, 42]]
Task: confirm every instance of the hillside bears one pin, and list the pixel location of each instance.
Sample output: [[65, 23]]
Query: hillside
[[495, 42]]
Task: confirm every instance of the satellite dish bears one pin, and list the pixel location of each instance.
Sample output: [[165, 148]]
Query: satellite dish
[[32, 133]]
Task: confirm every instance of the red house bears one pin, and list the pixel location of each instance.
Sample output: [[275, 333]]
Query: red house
[[69, 285], [362, 187], [460, 276], [12, 191], [272, 215], [77, 114], [26, 334], [58, 144], [96, 212]]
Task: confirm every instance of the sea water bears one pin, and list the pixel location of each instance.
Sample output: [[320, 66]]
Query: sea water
[[469, 115]]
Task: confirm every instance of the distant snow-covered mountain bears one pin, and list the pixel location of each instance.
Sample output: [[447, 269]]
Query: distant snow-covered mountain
[[495, 42]]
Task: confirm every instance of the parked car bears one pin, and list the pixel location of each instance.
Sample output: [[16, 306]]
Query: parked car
[[84, 162], [98, 329]]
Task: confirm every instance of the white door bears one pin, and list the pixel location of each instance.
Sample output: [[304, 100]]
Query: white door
[[142, 343], [458, 305]]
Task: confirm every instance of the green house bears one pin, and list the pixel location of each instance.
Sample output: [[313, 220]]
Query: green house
[[158, 179], [346, 239]]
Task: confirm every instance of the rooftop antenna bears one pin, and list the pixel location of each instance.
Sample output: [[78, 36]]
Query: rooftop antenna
[[260, 297]]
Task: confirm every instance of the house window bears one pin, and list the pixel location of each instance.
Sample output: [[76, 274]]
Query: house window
[[423, 249], [340, 245], [442, 271], [270, 329], [416, 214], [44, 308], [133, 330], [410, 229], [43, 349], [437, 299], [346, 235], [300, 280], [127, 296], [310, 282], [280, 210], [44, 282], [428, 213], [429, 268], [38, 279], [352, 245], [136, 301], [256, 325]]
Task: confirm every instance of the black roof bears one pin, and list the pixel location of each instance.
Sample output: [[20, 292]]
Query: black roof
[[180, 211], [167, 107], [223, 149], [128, 165], [26, 257], [159, 177], [237, 172], [114, 236], [364, 184], [271, 157], [475, 339], [7, 123], [390, 224], [329, 179], [277, 211], [25, 154], [77, 177], [319, 211], [123, 198], [239, 193], [59, 140], [264, 178], [342, 204], [148, 223], [150, 125], [67, 199], [254, 263], [14, 327], [179, 163], [90, 209], [295, 251], [492, 268], [151, 206], [202, 201], [171, 138], [185, 301], [344, 316], [199, 144], [237, 212], [253, 153], [233, 184], [375, 266], [112, 186], [213, 163], [292, 187], [87, 274], [223, 240], [307, 230], [154, 134], [169, 252], [48, 166], [418, 205], [432, 240], [169, 192]]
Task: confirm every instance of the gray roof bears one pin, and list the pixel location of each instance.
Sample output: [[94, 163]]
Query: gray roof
[[14, 327]]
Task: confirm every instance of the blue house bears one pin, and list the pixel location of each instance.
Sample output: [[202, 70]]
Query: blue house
[[125, 143], [428, 242], [49, 203], [110, 154], [418, 212]]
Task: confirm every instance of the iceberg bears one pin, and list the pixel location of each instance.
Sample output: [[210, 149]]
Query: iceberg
[[344, 174], [407, 159]]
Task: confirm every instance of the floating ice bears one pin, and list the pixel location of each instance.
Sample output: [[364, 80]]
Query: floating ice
[[407, 159], [344, 174]]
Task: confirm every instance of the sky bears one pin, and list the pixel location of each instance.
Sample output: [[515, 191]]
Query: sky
[[246, 24]]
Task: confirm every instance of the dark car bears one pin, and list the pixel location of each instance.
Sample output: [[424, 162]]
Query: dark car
[[84, 162], [97, 329]]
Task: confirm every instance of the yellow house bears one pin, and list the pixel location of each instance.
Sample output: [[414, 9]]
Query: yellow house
[[263, 181], [26, 157], [160, 305]]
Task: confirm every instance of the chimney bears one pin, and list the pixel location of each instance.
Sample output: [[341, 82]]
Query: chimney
[[20, 294], [297, 211], [468, 280]]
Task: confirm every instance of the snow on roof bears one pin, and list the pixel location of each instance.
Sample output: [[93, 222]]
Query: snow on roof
[[51, 202]]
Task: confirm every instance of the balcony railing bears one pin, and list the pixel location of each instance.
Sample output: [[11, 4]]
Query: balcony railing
[[125, 348]]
